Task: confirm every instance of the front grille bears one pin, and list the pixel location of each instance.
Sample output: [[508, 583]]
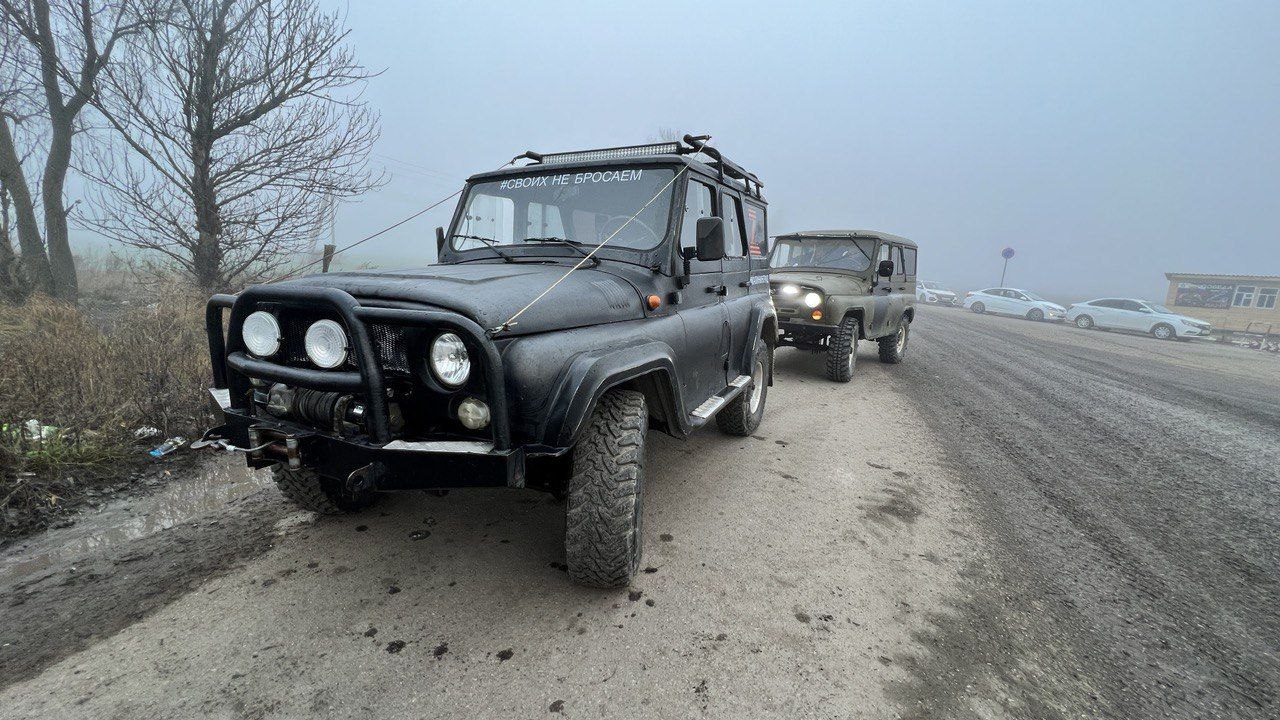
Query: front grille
[[389, 343]]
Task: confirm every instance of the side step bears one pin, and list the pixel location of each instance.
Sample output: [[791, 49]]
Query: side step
[[703, 412]]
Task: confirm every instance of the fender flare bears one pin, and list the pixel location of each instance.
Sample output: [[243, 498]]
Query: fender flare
[[763, 328], [592, 373]]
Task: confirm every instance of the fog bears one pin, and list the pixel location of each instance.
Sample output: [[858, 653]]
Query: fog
[[1105, 144]]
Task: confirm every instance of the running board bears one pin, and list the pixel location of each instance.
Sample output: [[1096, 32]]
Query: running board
[[703, 412]]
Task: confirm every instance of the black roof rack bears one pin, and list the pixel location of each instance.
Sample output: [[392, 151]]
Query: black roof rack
[[688, 145]]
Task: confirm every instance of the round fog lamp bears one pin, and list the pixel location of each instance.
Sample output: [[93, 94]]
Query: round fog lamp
[[473, 414], [817, 315], [261, 334], [326, 344], [449, 360], [789, 291], [813, 299]]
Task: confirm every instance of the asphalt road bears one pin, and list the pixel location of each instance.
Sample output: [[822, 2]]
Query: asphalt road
[[1125, 490], [1023, 520]]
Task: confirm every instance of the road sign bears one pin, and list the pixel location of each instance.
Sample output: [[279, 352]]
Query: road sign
[[1007, 253]]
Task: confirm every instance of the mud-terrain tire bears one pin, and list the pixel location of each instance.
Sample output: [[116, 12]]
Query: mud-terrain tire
[[894, 347], [326, 496], [742, 415], [842, 351], [1164, 331], [605, 505], [1084, 322], [1035, 314], [978, 308]]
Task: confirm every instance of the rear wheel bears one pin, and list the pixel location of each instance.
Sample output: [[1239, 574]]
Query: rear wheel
[[894, 347], [742, 415], [978, 308], [1035, 314], [1084, 322], [605, 505], [326, 496], [842, 351], [1164, 331]]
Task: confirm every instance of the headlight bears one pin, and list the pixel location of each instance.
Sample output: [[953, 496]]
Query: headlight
[[261, 334], [449, 360], [813, 299], [789, 291], [326, 344]]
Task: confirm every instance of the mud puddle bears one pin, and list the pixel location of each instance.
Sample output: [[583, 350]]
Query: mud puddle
[[203, 488]]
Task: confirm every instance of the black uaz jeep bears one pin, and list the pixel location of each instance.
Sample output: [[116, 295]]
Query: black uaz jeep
[[498, 366]]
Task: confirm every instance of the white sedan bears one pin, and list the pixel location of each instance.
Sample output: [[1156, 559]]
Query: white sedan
[[1136, 315], [1011, 301], [935, 293]]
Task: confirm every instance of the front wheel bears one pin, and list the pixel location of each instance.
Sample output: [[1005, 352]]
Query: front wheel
[[978, 308], [1084, 322], [1035, 314], [894, 347], [1164, 332], [326, 496], [842, 351], [605, 505], [742, 415]]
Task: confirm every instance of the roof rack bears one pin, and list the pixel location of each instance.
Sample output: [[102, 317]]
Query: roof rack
[[688, 145]]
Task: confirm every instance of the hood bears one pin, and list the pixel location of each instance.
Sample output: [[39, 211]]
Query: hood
[[1188, 318], [490, 293], [1053, 305]]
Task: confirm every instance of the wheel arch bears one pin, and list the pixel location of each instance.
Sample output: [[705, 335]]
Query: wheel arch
[[861, 315]]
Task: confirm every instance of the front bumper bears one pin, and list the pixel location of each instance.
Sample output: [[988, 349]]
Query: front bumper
[[1192, 331], [397, 465]]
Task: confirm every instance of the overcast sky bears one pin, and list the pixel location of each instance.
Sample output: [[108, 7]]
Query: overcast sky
[[1106, 142]]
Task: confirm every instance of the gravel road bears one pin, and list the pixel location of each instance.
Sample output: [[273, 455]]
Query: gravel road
[[1023, 520]]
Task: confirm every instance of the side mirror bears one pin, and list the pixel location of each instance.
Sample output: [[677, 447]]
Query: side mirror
[[439, 241], [886, 269], [710, 239]]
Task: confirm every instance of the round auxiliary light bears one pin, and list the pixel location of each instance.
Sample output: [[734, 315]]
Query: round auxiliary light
[[449, 360], [261, 334], [789, 291], [473, 413], [813, 299], [326, 344]]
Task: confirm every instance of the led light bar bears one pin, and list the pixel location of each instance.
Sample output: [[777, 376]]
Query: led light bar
[[667, 148]]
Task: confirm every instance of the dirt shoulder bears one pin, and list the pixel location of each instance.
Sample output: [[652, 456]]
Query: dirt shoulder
[[787, 575]]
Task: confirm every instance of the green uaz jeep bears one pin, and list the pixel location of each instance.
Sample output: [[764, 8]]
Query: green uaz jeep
[[833, 288]]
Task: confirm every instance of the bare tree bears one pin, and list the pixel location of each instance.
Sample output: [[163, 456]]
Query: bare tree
[[72, 42], [243, 121]]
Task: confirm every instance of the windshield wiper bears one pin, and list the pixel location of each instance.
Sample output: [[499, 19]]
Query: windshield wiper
[[489, 243], [567, 243]]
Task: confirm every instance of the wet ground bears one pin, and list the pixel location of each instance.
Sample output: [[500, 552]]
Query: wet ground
[[1023, 520]]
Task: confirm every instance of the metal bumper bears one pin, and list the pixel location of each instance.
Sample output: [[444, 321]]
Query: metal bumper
[[397, 465]]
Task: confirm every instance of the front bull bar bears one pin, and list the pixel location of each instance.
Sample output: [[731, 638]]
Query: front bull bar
[[233, 366]]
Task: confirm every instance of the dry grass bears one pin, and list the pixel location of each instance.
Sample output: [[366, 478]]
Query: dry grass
[[96, 373]]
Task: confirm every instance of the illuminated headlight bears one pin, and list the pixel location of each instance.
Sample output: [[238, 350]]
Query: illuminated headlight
[[261, 334], [326, 344], [789, 290], [449, 360], [813, 299], [473, 414]]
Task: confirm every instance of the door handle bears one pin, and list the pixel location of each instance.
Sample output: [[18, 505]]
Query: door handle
[[718, 289]]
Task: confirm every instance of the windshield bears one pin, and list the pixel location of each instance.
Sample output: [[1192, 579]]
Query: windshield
[[1033, 296], [1160, 309], [837, 253], [581, 206]]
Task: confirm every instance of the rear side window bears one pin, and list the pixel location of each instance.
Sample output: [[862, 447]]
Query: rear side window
[[734, 240], [898, 265], [757, 244], [697, 204], [909, 264]]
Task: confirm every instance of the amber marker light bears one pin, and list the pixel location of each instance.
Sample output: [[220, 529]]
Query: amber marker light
[[654, 302], [817, 315]]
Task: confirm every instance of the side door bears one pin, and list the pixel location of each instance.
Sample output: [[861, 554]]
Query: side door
[[1019, 304], [737, 280], [997, 300], [702, 307], [900, 295], [1136, 316], [909, 269], [881, 296]]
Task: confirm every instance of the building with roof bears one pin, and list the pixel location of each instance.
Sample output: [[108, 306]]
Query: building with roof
[[1236, 303]]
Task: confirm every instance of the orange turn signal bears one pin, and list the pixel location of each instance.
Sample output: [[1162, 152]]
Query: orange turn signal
[[654, 302], [817, 315]]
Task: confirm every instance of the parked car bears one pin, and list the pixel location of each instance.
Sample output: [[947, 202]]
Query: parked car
[[832, 288], [1012, 301], [579, 300], [1138, 316], [935, 293]]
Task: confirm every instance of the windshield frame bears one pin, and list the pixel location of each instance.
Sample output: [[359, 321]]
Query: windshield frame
[[801, 239], [449, 254]]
